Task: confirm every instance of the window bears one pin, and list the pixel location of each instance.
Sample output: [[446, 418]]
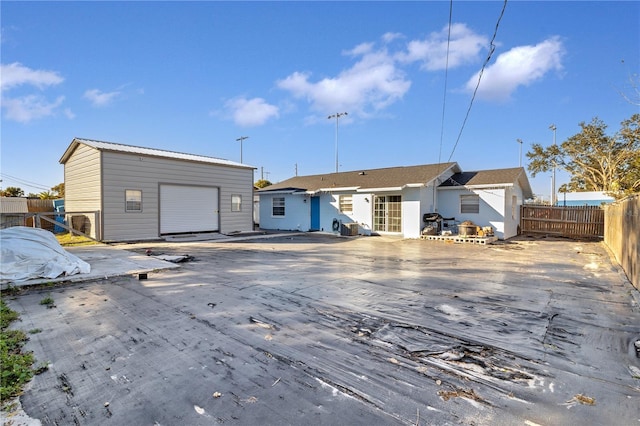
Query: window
[[277, 208], [133, 200], [236, 203], [469, 203], [346, 204]]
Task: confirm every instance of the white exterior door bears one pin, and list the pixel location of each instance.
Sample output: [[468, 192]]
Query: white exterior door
[[188, 209]]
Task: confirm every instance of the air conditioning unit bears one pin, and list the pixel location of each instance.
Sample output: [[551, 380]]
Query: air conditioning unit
[[349, 229]]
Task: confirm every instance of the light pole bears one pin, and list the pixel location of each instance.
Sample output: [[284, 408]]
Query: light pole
[[240, 139], [553, 175], [337, 117], [520, 142]]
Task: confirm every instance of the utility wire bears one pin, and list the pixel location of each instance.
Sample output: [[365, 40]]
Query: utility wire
[[24, 182], [492, 48], [446, 75]]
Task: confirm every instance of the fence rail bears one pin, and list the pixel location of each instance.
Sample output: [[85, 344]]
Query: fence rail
[[572, 221], [78, 223]]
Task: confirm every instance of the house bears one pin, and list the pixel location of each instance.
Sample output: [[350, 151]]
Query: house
[[588, 198], [130, 193], [486, 198], [394, 200]]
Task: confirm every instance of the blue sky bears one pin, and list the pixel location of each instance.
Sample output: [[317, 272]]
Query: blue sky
[[195, 76]]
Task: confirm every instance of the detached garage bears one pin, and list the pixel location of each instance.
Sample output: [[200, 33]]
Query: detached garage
[[126, 193]]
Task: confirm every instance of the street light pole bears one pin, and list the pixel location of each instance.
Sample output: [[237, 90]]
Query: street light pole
[[241, 138], [520, 142], [337, 117], [553, 175]]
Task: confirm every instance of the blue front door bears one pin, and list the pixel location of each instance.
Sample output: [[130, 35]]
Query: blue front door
[[315, 213]]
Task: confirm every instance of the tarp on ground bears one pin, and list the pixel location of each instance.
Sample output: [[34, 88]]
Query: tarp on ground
[[31, 253]]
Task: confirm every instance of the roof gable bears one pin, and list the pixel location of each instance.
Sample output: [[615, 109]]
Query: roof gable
[[495, 177], [392, 177], [152, 152]]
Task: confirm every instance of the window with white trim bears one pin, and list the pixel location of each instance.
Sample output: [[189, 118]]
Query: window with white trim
[[132, 200], [277, 206], [470, 203], [236, 202], [346, 203]]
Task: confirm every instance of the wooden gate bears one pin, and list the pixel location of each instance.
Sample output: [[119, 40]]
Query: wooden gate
[[573, 221]]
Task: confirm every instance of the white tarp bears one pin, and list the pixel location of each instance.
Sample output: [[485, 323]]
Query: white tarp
[[30, 253]]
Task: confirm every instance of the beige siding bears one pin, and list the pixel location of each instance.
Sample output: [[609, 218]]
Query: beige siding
[[123, 171], [82, 182]]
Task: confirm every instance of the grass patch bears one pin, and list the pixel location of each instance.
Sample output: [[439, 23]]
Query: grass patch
[[68, 239], [16, 366], [47, 301]]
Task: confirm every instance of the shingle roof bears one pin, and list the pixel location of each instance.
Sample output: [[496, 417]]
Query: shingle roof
[[392, 177], [130, 149], [491, 177]]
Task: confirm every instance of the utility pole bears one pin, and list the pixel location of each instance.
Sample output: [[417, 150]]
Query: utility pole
[[296, 169], [553, 175], [520, 142], [240, 139], [337, 117]]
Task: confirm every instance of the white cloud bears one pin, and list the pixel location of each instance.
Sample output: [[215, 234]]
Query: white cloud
[[520, 66], [27, 107], [370, 85], [99, 98], [69, 114], [16, 74], [251, 112], [464, 47], [30, 107]]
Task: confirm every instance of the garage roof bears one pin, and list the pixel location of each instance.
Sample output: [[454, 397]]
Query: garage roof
[[380, 179], [495, 177], [138, 150]]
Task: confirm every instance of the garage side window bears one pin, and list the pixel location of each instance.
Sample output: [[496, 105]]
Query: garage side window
[[470, 203], [277, 206], [236, 203], [133, 200]]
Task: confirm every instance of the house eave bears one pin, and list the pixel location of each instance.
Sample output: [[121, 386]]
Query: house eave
[[387, 189]]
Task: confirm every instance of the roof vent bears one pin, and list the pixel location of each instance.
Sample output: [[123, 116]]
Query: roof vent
[[362, 173]]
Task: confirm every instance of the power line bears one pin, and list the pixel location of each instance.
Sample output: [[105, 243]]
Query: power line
[[25, 182], [446, 75], [492, 48]]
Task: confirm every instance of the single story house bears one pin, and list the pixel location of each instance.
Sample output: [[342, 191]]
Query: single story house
[[394, 200], [128, 193]]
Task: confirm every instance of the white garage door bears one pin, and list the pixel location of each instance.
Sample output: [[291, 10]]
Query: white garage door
[[188, 209]]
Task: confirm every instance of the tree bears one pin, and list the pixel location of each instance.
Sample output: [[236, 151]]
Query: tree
[[595, 161], [262, 183], [46, 195], [58, 190], [12, 191]]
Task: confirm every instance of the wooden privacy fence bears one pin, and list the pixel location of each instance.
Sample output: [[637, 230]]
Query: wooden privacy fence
[[622, 235], [572, 221]]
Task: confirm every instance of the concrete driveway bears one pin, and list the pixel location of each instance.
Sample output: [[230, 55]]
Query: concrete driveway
[[314, 329]]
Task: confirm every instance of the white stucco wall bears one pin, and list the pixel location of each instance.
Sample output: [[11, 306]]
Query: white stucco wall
[[492, 207], [297, 212]]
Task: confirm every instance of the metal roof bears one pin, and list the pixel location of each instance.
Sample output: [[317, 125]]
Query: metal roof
[[13, 205], [380, 179], [138, 150]]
